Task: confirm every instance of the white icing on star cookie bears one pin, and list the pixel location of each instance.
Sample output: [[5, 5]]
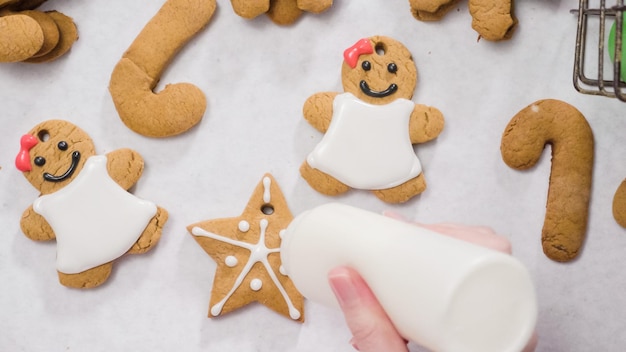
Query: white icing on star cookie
[[259, 253]]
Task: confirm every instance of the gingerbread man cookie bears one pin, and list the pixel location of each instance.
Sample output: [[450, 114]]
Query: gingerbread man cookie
[[33, 36], [247, 252], [84, 203], [370, 129], [492, 19], [281, 12]]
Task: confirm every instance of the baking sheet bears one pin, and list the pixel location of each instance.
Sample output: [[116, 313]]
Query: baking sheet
[[256, 76]]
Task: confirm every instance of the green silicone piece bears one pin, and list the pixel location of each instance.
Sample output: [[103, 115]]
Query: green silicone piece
[[611, 47]]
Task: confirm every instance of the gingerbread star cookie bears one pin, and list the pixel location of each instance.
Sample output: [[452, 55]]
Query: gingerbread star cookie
[[247, 252]]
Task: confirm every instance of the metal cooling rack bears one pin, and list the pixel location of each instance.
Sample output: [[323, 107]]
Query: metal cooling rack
[[589, 66]]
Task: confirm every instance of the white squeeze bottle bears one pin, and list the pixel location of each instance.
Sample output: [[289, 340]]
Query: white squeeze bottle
[[443, 293]]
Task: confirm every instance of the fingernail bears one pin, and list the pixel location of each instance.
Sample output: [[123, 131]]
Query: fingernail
[[343, 287], [354, 345]]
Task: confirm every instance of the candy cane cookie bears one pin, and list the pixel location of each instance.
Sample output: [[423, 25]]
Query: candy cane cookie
[[565, 128], [179, 106]]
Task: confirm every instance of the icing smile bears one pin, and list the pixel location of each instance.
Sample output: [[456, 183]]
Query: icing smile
[[365, 88], [53, 178]]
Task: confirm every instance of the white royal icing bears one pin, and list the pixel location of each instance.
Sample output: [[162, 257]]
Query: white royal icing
[[256, 284], [94, 219], [367, 146], [267, 182], [231, 261], [258, 254], [243, 226]]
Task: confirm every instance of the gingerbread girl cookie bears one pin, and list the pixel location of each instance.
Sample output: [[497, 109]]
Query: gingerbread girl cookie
[[84, 202], [370, 129], [247, 252]]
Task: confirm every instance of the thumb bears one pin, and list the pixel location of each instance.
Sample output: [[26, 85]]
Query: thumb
[[371, 328]]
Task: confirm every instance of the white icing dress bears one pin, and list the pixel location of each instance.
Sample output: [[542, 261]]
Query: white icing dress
[[94, 219], [367, 146]]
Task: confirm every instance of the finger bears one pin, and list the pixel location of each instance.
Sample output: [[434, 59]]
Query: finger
[[479, 235], [532, 344], [371, 328], [394, 215]]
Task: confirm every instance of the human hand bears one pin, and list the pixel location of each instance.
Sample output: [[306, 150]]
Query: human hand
[[371, 328]]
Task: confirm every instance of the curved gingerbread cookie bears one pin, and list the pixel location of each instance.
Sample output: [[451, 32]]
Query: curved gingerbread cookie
[[492, 19], [178, 107], [84, 203], [370, 129], [33, 36], [561, 125], [281, 12], [619, 204], [247, 252]]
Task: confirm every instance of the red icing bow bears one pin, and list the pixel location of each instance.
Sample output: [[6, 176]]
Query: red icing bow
[[22, 161], [351, 55]]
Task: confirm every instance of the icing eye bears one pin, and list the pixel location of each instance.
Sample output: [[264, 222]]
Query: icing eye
[[62, 145], [366, 65], [392, 68], [40, 161]]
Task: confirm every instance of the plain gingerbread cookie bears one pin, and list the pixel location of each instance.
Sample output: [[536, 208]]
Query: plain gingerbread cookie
[[619, 204], [84, 202], [282, 12], [561, 125], [492, 19], [28, 35], [371, 127], [178, 107]]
